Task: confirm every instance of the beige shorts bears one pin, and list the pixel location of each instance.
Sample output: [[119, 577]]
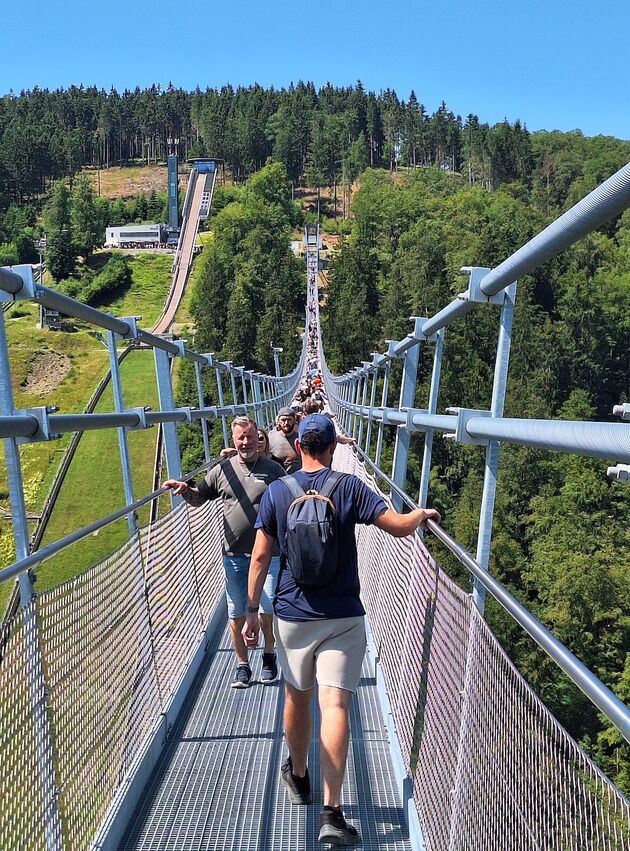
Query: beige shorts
[[329, 651]]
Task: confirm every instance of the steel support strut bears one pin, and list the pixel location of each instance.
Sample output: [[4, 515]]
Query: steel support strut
[[123, 448], [428, 437], [381, 425], [169, 430], [368, 436], [486, 513], [403, 435], [365, 377], [233, 384], [226, 440], [204, 423]]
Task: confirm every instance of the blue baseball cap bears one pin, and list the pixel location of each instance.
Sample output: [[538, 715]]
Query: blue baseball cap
[[317, 428]]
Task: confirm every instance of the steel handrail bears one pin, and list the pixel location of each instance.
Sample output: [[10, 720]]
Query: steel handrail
[[599, 694], [582, 437]]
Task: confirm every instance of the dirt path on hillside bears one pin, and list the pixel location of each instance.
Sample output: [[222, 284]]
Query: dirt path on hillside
[[46, 373]]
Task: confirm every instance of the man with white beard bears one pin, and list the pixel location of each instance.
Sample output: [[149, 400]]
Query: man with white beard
[[240, 481]]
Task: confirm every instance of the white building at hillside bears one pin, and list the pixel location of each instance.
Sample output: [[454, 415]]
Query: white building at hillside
[[135, 236]]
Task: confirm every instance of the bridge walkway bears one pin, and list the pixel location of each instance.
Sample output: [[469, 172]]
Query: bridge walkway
[[217, 786]]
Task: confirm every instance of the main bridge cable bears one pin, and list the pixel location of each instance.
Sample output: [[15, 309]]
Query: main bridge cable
[[600, 695]]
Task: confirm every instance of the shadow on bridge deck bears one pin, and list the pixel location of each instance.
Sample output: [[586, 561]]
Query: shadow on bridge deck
[[217, 785]]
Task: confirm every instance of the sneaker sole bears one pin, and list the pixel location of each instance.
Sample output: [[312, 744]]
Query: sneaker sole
[[239, 685], [340, 838]]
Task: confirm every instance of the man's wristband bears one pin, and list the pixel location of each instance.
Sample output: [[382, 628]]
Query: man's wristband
[[251, 610]]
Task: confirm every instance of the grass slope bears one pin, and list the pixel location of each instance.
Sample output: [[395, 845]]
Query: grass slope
[[129, 180], [93, 486]]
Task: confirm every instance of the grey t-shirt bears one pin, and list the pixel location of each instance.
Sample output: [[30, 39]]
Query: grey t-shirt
[[241, 487], [282, 447]]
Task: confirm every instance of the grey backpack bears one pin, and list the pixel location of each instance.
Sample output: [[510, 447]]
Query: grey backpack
[[313, 539]]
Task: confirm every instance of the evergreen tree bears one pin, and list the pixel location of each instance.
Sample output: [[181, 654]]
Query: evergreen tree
[[87, 232], [61, 255]]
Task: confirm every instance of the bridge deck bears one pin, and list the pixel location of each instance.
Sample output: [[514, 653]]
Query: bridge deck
[[217, 785]]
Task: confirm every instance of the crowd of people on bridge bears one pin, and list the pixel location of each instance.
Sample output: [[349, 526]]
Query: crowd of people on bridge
[[291, 572]]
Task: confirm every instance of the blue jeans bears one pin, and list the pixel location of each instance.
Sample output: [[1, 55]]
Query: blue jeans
[[236, 573]]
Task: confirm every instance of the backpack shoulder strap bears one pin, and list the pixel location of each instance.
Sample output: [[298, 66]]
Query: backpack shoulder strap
[[331, 483], [292, 485]]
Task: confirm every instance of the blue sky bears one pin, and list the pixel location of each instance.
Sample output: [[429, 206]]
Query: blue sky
[[555, 64]]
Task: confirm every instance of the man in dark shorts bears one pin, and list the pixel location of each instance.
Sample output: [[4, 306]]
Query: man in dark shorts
[[240, 481], [320, 631]]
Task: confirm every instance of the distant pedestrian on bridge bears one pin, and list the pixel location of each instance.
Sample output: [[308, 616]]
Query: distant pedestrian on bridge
[[319, 628], [240, 481], [282, 440]]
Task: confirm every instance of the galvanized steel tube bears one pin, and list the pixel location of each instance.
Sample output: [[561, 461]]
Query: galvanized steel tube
[[598, 440], [491, 470], [432, 409], [608, 200], [10, 282], [71, 307]]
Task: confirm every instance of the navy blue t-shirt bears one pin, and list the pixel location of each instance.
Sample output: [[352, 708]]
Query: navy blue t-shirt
[[355, 503]]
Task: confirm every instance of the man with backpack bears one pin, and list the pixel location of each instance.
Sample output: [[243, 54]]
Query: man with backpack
[[318, 615]]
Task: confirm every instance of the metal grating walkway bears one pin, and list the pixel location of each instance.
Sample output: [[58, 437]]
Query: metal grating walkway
[[217, 785]]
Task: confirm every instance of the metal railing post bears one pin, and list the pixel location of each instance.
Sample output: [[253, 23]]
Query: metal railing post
[[354, 399], [403, 435], [204, 422], [365, 376], [221, 401], [486, 513], [428, 437], [368, 436], [276, 359], [241, 371], [233, 384], [343, 415], [381, 425], [32, 644], [169, 430], [125, 462]]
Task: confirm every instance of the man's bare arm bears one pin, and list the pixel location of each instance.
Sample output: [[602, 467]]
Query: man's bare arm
[[258, 567], [401, 525], [190, 495]]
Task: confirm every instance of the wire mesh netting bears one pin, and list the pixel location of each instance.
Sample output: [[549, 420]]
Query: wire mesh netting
[[491, 769], [22, 823], [115, 641]]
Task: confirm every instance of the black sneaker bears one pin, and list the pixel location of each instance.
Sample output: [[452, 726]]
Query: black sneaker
[[242, 676], [299, 788], [335, 830], [269, 667]]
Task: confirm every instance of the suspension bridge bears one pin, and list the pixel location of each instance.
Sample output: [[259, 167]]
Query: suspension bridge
[[117, 726]]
